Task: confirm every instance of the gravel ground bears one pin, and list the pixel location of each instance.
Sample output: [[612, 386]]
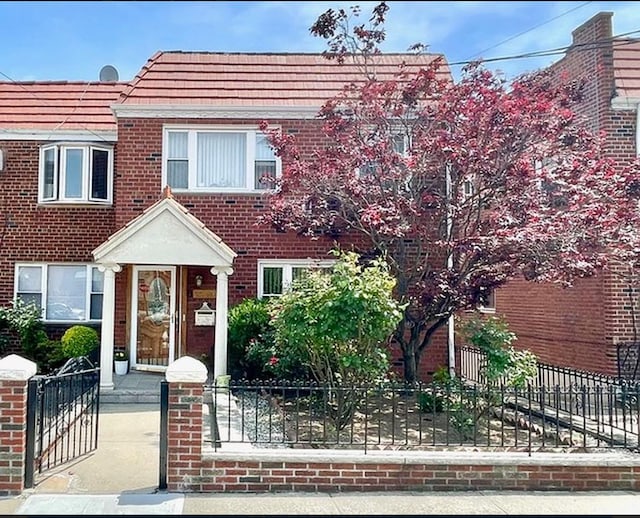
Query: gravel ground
[[263, 424]]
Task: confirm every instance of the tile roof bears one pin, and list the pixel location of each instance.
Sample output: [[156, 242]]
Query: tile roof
[[261, 79], [626, 64], [58, 105]]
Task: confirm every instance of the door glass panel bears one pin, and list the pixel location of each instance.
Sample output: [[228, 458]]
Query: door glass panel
[[154, 317]]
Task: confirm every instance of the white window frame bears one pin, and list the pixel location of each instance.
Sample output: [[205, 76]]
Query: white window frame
[[287, 266], [192, 131], [406, 147], [44, 273], [60, 159], [489, 309]]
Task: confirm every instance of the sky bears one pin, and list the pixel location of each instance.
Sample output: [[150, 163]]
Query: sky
[[74, 40]]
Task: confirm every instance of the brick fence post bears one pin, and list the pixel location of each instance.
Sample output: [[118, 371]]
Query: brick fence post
[[186, 378], [15, 372]]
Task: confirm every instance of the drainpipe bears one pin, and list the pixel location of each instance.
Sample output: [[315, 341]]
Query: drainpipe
[[451, 330]]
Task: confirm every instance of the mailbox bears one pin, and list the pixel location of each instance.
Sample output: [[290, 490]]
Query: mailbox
[[205, 316]]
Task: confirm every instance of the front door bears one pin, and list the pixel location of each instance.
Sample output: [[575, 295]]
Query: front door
[[153, 317]]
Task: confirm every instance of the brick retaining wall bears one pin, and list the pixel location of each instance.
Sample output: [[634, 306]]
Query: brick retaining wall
[[192, 468]]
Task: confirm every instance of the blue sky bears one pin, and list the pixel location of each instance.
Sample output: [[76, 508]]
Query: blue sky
[[73, 40]]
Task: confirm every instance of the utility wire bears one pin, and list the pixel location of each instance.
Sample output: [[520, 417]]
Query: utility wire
[[580, 47], [529, 30], [21, 85]]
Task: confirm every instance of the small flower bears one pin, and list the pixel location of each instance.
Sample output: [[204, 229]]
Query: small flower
[[273, 361]]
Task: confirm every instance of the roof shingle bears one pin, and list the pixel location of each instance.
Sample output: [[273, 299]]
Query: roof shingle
[[233, 79], [58, 105], [626, 64]]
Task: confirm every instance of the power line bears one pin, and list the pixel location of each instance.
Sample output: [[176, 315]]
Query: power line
[[44, 101], [529, 30], [580, 47]]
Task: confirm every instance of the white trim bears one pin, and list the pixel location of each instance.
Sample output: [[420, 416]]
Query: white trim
[[287, 270], [44, 275], [209, 111], [625, 103], [133, 339], [56, 135], [114, 249], [251, 131], [59, 173]]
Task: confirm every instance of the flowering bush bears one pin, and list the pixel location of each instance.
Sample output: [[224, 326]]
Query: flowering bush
[[120, 355]]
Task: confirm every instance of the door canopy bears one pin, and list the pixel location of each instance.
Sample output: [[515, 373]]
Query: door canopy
[[165, 234]]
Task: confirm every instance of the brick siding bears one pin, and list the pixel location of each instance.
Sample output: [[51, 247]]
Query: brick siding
[[579, 326], [13, 433]]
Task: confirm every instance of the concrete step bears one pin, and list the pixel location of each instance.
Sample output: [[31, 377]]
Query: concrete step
[[130, 396]]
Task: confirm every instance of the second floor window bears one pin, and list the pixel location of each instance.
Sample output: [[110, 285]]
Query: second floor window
[[76, 173], [218, 160]]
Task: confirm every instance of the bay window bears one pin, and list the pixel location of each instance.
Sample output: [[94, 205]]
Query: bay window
[[76, 173]]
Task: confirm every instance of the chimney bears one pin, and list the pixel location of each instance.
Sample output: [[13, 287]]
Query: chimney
[[599, 27]]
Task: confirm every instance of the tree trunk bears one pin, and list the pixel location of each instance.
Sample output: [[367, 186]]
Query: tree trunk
[[411, 357]]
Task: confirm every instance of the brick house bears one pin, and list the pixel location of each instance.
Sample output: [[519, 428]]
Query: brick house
[[581, 327], [92, 233]]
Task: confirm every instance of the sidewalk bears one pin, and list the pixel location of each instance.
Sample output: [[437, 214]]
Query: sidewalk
[[456, 503], [121, 477]]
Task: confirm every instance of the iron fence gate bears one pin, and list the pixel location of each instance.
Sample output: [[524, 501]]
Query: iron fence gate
[[62, 419], [628, 359]]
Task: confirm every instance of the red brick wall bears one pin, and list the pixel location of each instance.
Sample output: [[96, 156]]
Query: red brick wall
[[44, 233], [562, 326], [188, 470], [578, 327], [370, 475], [13, 435], [233, 217], [184, 439]]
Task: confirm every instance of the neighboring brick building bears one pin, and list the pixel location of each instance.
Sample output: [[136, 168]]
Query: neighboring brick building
[[581, 326], [89, 234]]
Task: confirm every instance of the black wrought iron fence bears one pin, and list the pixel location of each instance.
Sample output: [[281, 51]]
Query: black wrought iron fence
[[62, 419], [472, 360], [594, 397], [422, 417], [628, 361]]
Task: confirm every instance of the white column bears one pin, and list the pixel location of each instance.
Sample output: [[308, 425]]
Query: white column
[[108, 316], [222, 305]]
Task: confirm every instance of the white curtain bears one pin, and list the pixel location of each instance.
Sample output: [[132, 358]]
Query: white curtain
[[221, 160]]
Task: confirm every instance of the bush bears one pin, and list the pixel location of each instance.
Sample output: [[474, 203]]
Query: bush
[[250, 338], [79, 341], [49, 356], [502, 362]]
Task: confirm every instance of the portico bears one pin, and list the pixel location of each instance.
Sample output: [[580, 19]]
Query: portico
[[156, 248]]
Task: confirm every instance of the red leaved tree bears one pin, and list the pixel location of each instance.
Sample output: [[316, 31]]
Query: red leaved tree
[[459, 186]]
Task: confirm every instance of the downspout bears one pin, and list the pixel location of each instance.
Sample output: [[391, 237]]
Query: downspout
[[638, 129], [451, 347]]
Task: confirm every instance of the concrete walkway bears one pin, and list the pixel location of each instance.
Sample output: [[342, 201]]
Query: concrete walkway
[[121, 477]]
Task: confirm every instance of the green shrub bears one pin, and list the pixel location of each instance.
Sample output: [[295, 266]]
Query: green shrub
[[502, 363], [49, 356], [79, 341], [431, 401], [250, 338], [24, 321]]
